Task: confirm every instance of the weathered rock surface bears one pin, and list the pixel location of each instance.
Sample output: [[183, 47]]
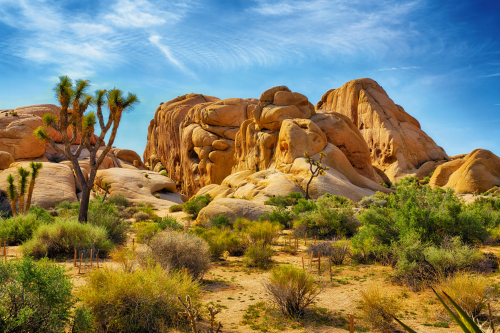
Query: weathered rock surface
[[5, 160], [137, 187], [16, 136], [479, 170], [396, 141], [55, 183], [233, 209]]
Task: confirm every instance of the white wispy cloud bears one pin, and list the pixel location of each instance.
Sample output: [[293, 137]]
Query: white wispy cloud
[[398, 68], [491, 75], [155, 40], [139, 14]]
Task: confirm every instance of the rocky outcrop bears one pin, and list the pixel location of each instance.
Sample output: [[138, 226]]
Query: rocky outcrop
[[140, 186], [233, 209], [397, 144], [477, 171], [5, 160], [16, 136]]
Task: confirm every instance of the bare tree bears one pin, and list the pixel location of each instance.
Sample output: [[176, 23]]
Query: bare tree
[[319, 169], [82, 125]]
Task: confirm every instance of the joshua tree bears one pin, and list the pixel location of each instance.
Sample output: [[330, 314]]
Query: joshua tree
[[320, 169], [35, 167], [82, 125], [12, 194], [106, 190], [23, 184]]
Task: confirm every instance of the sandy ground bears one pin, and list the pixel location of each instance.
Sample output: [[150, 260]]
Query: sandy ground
[[233, 287]]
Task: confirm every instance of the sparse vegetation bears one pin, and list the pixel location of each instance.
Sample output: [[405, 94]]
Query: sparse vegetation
[[196, 204], [378, 309], [259, 255]]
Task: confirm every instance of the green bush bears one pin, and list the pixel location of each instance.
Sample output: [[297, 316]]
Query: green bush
[[141, 216], [41, 214], [107, 216], [37, 297], [220, 221], [61, 238], [179, 251], [143, 300], [196, 204], [259, 255], [18, 229], [265, 232], [222, 240], [68, 209], [292, 289], [334, 217], [279, 215], [118, 200], [303, 206], [169, 223], [147, 230], [278, 201], [419, 264], [372, 200], [175, 208]]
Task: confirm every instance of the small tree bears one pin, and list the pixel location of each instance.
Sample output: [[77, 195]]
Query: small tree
[[23, 185], [12, 194], [82, 125], [106, 188], [35, 167], [319, 169]]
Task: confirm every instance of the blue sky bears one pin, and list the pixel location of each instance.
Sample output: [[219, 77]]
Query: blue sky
[[440, 60]]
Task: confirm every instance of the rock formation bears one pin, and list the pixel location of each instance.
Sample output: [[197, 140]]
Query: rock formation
[[477, 171], [398, 146]]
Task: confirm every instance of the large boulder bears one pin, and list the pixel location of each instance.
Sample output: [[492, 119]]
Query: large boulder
[[477, 171], [233, 209], [398, 146], [16, 136], [6, 160], [55, 183], [140, 186]]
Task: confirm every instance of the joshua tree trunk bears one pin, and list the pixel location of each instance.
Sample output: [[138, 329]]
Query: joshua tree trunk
[[84, 203], [30, 194], [13, 207], [21, 204]]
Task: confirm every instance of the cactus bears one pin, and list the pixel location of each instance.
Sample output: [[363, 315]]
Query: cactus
[[35, 167], [192, 314], [23, 184], [12, 194]]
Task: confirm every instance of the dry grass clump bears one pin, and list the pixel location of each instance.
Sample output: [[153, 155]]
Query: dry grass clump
[[292, 289], [144, 300], [376, 309], [179, 251], [470, 291], [141, 216]]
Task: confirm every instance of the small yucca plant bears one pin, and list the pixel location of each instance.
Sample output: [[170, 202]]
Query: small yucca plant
[[35, 168], [12, 194], [23, 185]]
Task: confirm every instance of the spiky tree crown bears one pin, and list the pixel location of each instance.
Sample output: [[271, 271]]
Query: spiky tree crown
[[11, 188], [23, 180], [35, 167]]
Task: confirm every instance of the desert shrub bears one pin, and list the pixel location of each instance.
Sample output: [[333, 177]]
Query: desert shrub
[[141, 216], [144, 300], [36, 297], [259, 255], [265, 232], [376, 309], [61, 238], [304, 205], [169, 223], [334, 217], [18, 229], [220, 221], [373, 200], [471, 292], [175, 208], [428, 213], [145, 231], [68, 209], [108, 217], [279, 215], [338, 250], [278, 201], [118, 200], [179, 251], [419, 264], [124, 256], [292, 289], [41, 214], [221, 240], [196, 204], [241, 224]]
